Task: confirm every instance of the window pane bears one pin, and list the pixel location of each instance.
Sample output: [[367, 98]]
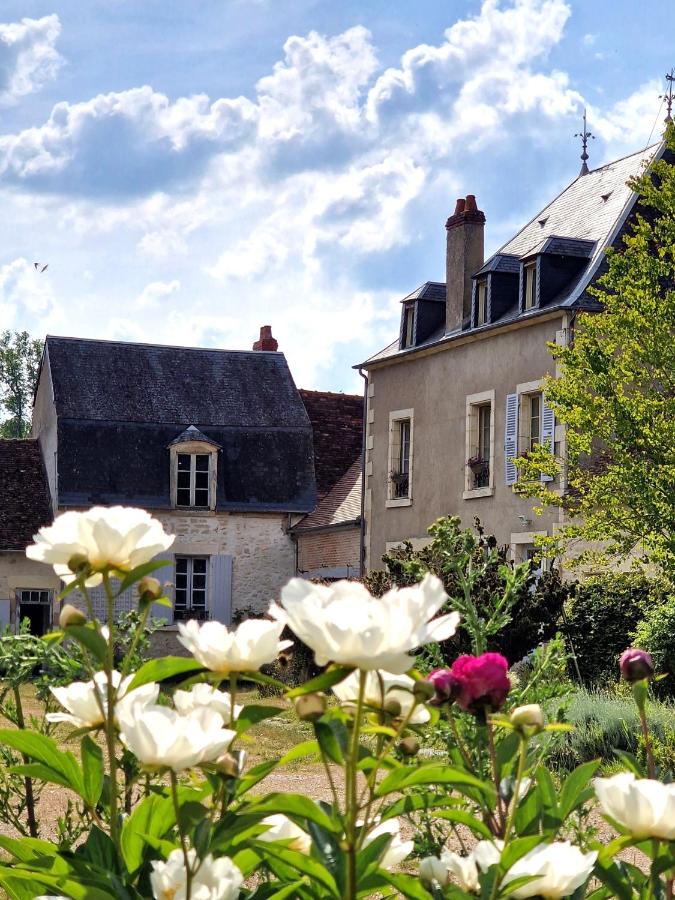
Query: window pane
[[202, 480], [183, 480], [198, 582], [181, 598], [183, 497], [199, 564], [181, 564], [199, 599], [202, 462], [184, 462], [201, 498]]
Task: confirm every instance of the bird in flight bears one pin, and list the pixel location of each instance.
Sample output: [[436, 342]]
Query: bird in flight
[[40, 268]]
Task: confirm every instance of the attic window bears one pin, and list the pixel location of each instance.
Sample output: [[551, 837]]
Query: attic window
[[481, 302], [408, 327], [192, 479], [530, 285]]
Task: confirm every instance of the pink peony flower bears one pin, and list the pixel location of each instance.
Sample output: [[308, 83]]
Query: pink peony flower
[[479, 682], [636, 664], [443, 683]]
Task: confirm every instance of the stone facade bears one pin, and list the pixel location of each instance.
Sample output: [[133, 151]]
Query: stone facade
[[333, 550], [17, 573]]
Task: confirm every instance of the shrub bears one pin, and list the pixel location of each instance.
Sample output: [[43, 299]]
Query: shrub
[[601, 617], [656, 633]]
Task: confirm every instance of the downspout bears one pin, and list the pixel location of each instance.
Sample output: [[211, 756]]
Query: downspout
[[362, 529]]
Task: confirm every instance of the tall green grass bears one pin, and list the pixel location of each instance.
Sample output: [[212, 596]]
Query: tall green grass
[[604, 723]]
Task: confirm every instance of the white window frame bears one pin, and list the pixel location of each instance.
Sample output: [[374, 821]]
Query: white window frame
[[529, 285], [525, 391], [481, 301], [473, 404], [521, 541], [189, 588], [193, 481], [194, 449], [397, 416], [408, 327]]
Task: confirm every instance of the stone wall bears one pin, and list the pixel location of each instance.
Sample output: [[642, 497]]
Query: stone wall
[[329, 550], [16, 571]]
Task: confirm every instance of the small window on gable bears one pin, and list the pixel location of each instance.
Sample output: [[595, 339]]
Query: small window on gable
[[409, 326], [481, 302], [530, 286], [194, 462]]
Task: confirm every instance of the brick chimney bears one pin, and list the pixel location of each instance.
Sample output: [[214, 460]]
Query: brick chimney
[[266, 341], [464, 257]]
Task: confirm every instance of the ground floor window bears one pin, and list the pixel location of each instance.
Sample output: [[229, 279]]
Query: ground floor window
[[35, 605], [191, 588]]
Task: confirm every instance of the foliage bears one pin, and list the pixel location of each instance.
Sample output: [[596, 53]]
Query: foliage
[[601, 616], [656, 634], [475, 573], [616, 394], [19, 363]]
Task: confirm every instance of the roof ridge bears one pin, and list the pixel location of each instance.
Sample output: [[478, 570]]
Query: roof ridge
[[81, 340]]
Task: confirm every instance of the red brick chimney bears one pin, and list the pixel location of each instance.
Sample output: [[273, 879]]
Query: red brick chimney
[[464, 256], [266, 341]]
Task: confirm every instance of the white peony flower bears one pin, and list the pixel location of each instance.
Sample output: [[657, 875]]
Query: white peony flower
[[84, 709], [116, 537], [644, 807], [380, 687], [560, 868], [466, 868], [161, 738], [432, 869], [214, 879], [344, 624], [397, 849], [281, 828], [251, 645], [205, 695]]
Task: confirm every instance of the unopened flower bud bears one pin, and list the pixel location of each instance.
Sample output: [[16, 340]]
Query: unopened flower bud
[[71, 615], [443, 684], [310, 707], [636, 664], [422, 692], [392, 707], [433, 870], [150, 588], [529, 717], [409, 746], [229, 765], [78, 563]]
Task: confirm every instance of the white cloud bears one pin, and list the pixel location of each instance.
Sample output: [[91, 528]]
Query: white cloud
[[26, 296], [153, 293], [28, 56]]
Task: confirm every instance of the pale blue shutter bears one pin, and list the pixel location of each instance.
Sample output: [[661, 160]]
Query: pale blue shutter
[[220, 571], [4, 614], [165, 574], [547, 429], [511, 439]]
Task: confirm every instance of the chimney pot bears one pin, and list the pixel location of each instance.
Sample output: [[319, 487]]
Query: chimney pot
[[266, 341], [459, 206], [471, 203]]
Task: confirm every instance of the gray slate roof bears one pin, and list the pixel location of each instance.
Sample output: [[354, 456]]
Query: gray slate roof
[[24, 495]]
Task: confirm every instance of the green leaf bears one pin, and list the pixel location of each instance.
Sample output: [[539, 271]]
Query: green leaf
[[80, 889], [407, 777], [140, 572], [305, 748], [407, 885], [26, 849], [92, 770], [161, 669], [45, 751], [517, 848], [463, 817], [253, 714], [154, 816], [332, 738], [100, 850], [254, 776], [89, 637], [332, 675], [302, 863], [295, 806], [573, 787]]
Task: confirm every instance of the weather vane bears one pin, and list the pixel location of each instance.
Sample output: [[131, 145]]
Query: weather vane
[[585, 135], [668, 96]]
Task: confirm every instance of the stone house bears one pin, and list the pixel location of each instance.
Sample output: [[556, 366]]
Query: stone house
[[27, 589], [458, 394], [217, 444]]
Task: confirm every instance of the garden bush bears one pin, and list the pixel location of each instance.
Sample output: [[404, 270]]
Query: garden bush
[[656, 633], [601, 617]]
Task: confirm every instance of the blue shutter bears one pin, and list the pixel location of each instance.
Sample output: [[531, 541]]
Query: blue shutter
[[4, 614], [220, 571], [166, 573], [511, 439], [547, 429]]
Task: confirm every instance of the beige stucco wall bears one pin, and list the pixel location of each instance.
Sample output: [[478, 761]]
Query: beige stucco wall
[[44, 426], [263, 553], [435, 387], [16, 571], [337, 549]]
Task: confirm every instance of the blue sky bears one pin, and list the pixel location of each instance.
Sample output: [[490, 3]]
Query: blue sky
[[191, 171]]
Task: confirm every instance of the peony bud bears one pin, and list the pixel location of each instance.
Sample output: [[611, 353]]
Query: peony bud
[[433, 870], [149, 589], [423, 691], [443, 684], [409, 746], [70, 615], [78, 563], [392, 707], [310, 707], [528, 719], [636, 664], [231, 764]]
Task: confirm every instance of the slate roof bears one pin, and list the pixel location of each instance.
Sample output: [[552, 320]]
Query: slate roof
[[120, 405], [24, 495], [337, 425], [587, 216], [430, 290], [340, 507]]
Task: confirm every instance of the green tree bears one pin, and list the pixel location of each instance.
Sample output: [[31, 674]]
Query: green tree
[[616, 393], [19, 363]]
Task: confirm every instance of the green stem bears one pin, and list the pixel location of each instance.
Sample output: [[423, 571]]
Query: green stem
[[110, 714], [28, 782], [495, 771], [351, 800], [134, 641], [182, 835], [651, 767], [522, 760]]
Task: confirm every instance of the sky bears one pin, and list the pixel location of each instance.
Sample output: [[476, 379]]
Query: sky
[[190, 171]]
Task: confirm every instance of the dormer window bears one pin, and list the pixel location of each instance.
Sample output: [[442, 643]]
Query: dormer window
[[194, 470], [481, 304], [530, 285], [408, 327]]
